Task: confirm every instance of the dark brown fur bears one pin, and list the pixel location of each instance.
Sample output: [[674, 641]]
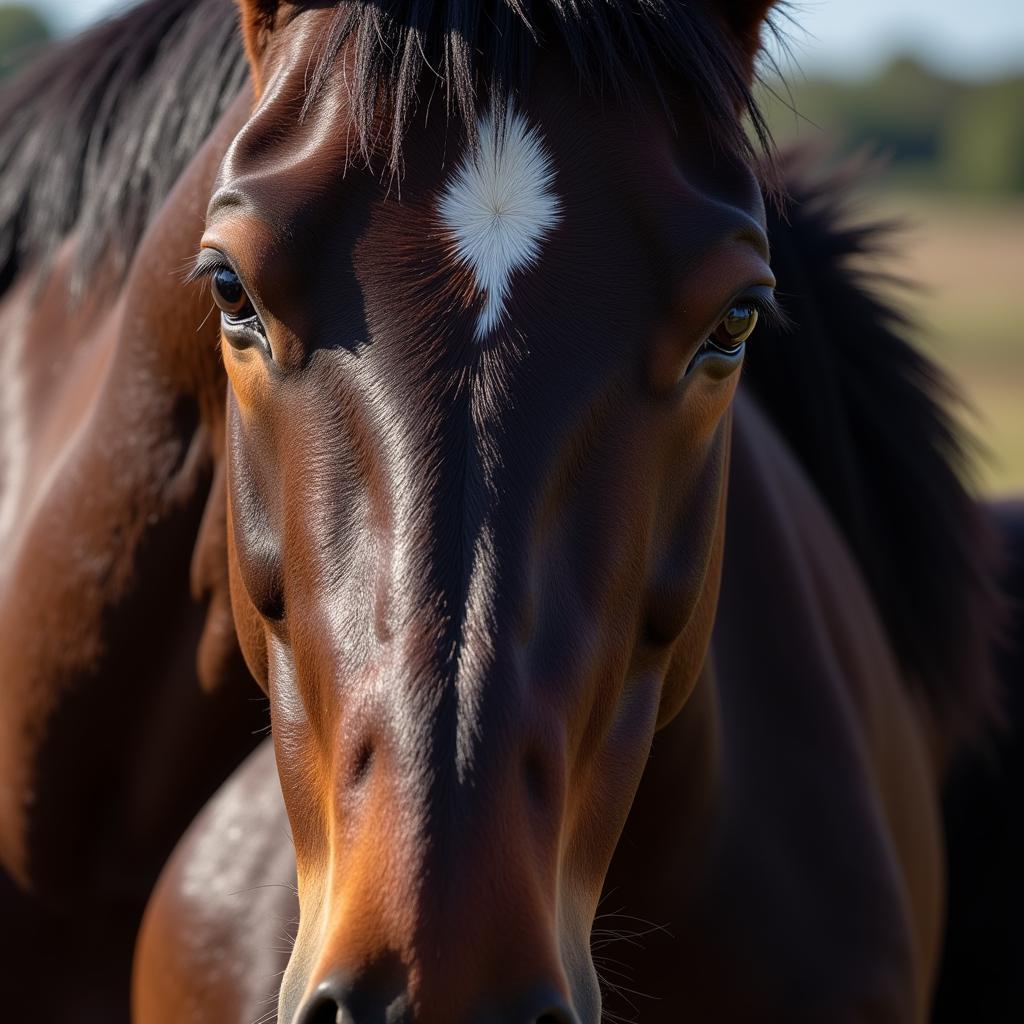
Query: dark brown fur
[[351, 484]]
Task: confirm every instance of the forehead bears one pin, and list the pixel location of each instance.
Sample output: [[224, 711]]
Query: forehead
[[559, 194], [499, 207]]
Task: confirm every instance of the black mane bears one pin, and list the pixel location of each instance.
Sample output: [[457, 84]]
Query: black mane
[[94, 134], [474, 50], [869, 416]]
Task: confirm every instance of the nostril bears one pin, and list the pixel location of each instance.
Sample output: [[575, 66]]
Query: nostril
[[555, 1012], [363, 761], [372, 994], [326, 1014], [321, 1012], [324, 1007], [536, 778]]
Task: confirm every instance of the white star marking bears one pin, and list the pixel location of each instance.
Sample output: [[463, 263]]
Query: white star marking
[[499, 206]]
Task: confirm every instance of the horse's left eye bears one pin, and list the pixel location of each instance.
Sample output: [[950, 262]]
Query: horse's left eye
[[736, 326], [230, 296]]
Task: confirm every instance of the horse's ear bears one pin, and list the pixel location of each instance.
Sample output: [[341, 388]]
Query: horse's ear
[[257, 20], [745, 20]]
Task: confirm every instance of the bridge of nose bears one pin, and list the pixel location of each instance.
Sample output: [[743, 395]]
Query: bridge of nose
[[442, 903], [444, 828]]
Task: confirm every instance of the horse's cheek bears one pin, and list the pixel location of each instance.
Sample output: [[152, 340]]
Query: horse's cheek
[[685, 584], [251, 635], [690, 651], [218, 659]]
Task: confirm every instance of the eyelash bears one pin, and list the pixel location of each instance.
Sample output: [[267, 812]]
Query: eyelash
[[770, 314], [206, 264]]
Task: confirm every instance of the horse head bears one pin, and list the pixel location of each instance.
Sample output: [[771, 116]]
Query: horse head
[[477, 440]]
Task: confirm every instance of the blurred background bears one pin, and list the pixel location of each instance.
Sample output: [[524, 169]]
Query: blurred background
[[936, 92]]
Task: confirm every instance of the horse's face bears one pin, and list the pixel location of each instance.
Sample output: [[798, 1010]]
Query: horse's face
[[475, 504]]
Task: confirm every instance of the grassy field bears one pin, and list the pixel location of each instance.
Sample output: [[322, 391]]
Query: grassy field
[[966, 258]]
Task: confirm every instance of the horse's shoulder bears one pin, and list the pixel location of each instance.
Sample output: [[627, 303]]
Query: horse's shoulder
[[218, 928]]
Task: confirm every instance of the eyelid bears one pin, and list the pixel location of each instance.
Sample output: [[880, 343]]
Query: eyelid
[[207, 262], [762, 298]]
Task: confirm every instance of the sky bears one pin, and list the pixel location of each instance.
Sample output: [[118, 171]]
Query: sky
[[847, 38]]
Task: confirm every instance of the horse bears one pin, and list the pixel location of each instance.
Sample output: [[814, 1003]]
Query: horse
[[126, 701], [488, 309]]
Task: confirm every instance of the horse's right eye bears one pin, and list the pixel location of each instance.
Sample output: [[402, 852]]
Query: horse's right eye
[[230, 296]]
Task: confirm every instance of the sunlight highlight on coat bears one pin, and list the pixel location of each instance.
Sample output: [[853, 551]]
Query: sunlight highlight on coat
[[14, 467], [499, 206]]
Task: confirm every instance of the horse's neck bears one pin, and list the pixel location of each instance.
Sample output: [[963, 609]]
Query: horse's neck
[[797, 780], [106, 466]]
